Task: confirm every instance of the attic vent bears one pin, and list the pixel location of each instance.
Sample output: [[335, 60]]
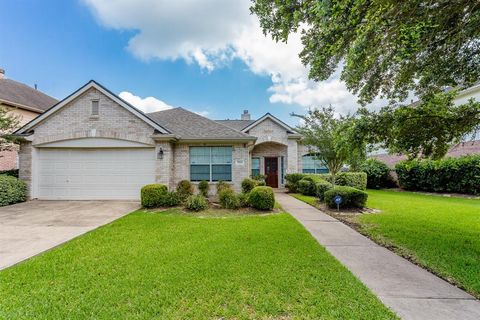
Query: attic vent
[[95, 107]]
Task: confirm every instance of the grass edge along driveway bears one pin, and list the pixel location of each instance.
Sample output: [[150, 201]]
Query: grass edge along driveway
[[171, 265], [441, 234]]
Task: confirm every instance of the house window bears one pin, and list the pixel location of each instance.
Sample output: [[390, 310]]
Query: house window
[[211, 163], [95, 107], [311, 164], [255, 167]]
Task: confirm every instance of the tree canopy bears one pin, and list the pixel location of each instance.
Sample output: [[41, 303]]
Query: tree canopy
[[329, 138], [8, 123], [386, 47], [425, 129]]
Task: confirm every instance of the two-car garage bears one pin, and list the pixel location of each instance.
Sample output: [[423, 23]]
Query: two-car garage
[[93, 173]]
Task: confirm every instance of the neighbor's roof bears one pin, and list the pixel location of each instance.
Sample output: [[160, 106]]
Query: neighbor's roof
[[236, 124], [20, 95], [187, 125], [461, 149]]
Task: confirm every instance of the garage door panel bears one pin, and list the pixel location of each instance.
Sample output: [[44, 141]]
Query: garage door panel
[[83, 174]]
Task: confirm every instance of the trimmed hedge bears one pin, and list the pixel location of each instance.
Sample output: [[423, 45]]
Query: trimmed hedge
[[352, 198], [248, 184], [378, 174], [12, 190], [11, 173], [292, 181], [321, 187], [152, 195], [203, 187], [221, 185], [196, 202], [454, 175], [261, 198]]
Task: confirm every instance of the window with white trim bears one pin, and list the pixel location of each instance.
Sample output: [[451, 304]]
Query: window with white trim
[[311, 164], [95, 107], [255, 167], [211, 163]]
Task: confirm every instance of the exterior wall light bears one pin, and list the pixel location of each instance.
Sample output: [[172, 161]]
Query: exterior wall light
[[160, 154]]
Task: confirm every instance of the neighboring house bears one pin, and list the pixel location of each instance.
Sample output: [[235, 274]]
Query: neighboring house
[[26, 103], [94, 145], [461, 149]]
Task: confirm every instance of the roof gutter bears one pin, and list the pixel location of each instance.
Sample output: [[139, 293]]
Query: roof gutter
[[21, 106]]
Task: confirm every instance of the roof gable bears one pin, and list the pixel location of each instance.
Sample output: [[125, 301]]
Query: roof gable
[[22, 96], [91, 84], [274, 119]]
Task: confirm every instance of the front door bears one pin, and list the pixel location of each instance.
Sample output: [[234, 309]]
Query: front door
[[271, 171]]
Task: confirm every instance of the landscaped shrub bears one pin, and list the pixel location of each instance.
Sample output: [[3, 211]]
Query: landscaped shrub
[[12, 190], [292, 181], [454, 175], [322, 187], [307, 185], [228, 199], [378, 174], [248, 184], [221, 185], [260, 179], [184, 189], [196, 202], [243, 199], [203, 187], [357, 180], [171, 199], [12, 173], [152, 195], [351, 197], [261, 198]]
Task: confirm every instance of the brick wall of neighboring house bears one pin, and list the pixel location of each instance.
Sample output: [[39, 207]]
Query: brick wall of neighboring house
[[181, 164], [8, 159]]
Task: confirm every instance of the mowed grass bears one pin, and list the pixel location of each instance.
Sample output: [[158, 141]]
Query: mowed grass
[[440, 233], [174, 266]]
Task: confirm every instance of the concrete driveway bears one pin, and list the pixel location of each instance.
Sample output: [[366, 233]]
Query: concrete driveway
[[29, 228]]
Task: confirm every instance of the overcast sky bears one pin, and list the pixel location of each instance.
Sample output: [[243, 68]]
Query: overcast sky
[[208, 56]]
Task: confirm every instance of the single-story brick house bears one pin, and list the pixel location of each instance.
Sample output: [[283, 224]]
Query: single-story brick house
[[94, 145]]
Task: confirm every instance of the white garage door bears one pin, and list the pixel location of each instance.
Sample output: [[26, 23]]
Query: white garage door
[[86, 174]]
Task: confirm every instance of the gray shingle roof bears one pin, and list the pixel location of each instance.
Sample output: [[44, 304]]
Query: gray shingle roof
[[22, 94], [189, 125], [236, 124]]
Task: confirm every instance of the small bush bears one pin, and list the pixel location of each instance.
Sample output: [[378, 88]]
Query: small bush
[[152, 195], [453, 175], [184, 189], [357, 180], [221, 185], [307, 185], [171, 199], [260, 179], [292, 181], [261, 198], [204, 187], [228, 199], [196, 203], [322, 187], [378, 174], [243, 200], [351, 197], [248, 184], [12, 190], [11, 173]]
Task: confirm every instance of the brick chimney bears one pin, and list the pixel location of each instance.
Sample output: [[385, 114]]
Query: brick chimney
[[245, 115], [2, 73]]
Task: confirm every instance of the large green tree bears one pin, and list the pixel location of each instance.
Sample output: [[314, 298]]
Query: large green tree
[[386, 47], [329, 138], [425, 129]]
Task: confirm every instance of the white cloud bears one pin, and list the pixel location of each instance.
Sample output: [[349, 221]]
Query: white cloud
[[211, 33], [148, 104]]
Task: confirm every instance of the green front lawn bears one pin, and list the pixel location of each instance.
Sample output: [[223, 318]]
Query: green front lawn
[[440, 233], [172, 265]]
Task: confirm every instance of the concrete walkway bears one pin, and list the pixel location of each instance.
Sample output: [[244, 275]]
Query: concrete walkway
[[29, 228], [407, 289]]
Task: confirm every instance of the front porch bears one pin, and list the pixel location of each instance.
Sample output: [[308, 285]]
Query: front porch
[[270, 159]]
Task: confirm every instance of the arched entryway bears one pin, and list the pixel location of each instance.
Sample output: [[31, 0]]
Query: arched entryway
[[270, 159]]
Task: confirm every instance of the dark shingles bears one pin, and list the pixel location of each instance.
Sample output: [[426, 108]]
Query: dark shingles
[[189, 125], [236, 124], [22, 94]]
